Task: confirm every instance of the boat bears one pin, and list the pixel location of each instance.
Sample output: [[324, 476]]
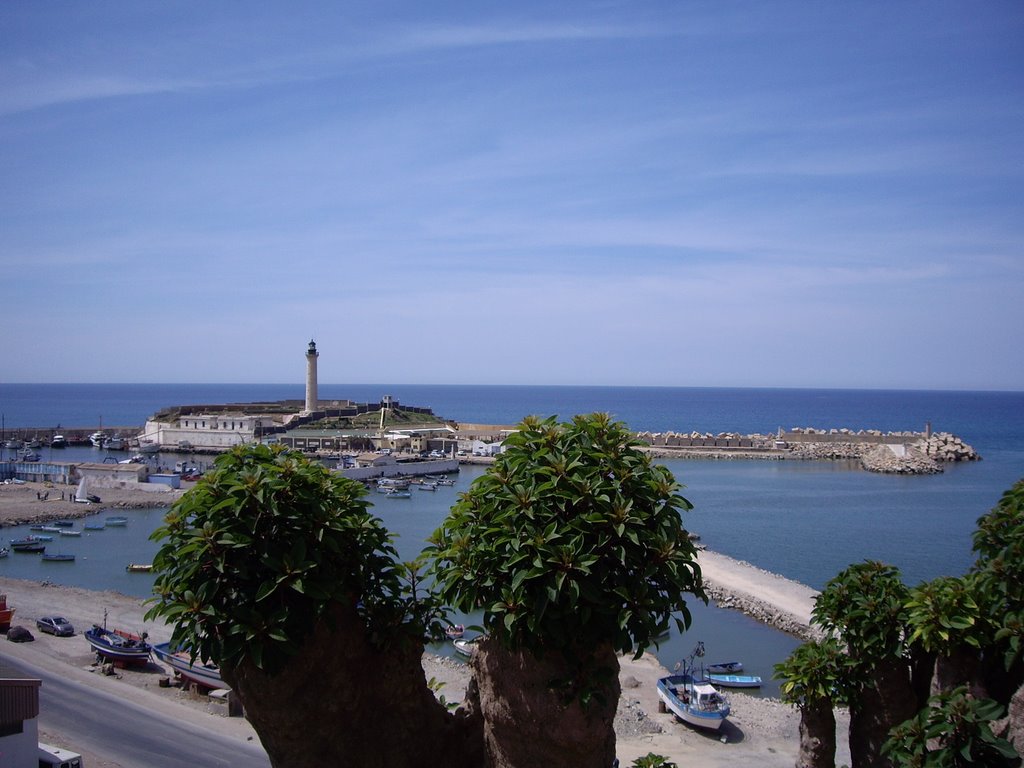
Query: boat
[[94, 526], [4, 551], [59, 441], [27, 454], [115, 444], [19, 545], [466, 647], [118, 645], [139, 567], [45, 528], [97, 439], [444, 481], [116, 520], [427, 486], [64, 523], [82, 495], [734, 681], [148, 446], [67, 532], [725, 668], [6, 613], [58, 558], [206, 675], [396, 494], [32, 549], [35, 443], [455, 631], [14, 444], [693, 700]]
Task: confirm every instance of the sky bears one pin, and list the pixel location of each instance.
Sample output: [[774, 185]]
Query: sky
[[786, 194]]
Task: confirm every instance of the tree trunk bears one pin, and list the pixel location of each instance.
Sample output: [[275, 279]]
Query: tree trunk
[[530, 722], [817, 735], [885, 701], [344, 703], [959, 667]]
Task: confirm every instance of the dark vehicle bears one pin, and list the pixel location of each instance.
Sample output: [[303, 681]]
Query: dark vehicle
[[55, 625]]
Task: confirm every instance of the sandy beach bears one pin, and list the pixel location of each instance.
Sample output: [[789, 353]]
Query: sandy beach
[[759, 732]]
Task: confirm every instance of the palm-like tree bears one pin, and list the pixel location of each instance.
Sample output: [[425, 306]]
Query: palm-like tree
[[815, 681], [865, 606]]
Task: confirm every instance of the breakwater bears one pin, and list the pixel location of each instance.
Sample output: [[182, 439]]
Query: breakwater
[[903, 452]]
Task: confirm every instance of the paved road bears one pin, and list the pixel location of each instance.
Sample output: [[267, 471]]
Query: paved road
[[98, 722]]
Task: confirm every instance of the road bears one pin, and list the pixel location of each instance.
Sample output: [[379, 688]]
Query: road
[[98, 722]]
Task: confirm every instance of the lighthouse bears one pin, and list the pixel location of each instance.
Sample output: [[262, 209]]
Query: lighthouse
[[311, 396]]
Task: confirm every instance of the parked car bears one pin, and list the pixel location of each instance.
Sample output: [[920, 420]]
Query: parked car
[[55, 625]]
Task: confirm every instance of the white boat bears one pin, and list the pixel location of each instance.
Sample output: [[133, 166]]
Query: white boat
[[68, 532], [97, 439], [59, 441], [82, 495], [206, 675], [115, 444], [148, 446], [428, 486], [693, 701], [466, 647], [14, 444]]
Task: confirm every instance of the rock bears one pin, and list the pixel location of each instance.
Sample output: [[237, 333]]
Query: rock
[[19, 635]]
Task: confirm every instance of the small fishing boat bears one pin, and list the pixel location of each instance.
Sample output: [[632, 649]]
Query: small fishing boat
[[396, 494], [115, 444], [139, 567], [117, 520], [45, 528], [67, 532], [455, 631], [444, 481], [118, 645], [6, 613], [28, 544], [206, 675], [4, 551], [734, 681], [466, 647], [725, 667], [30, 549], [64, 523], [94, 526], [427, 486], [58, 558], [27, 454], [97, 439], [59, 441], [693, 701]]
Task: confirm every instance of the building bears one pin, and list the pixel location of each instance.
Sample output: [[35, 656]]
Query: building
[[19, 715]]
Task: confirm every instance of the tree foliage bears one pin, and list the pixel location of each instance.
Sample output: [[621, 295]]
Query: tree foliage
[[571, 537], [814, 672], [948, 612], [953, 731], [255, 554]]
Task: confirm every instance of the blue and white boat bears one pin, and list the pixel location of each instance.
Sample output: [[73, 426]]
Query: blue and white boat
[[118, 645], [734, 681], [693, 700]]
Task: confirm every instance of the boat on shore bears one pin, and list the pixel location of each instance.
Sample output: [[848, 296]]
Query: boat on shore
[[6, 613], [118, 645], [206, 675], [693, 700]]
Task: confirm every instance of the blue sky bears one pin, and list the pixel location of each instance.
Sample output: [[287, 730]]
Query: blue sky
[[707, 194]]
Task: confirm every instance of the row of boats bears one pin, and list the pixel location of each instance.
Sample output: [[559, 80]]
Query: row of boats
[[35, 543], [124, 647], [400, 487]]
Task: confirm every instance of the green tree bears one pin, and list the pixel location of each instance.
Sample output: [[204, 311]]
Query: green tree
[[573, 547], [274, 568], [953, 731], [814, 679], [865, 606]]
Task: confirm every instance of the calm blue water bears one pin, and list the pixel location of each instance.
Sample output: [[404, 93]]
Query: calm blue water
[[805, 520]]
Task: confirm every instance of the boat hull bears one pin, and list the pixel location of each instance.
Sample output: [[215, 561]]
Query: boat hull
[[735, 681], [202, 674], [118, 646], [668, 691]]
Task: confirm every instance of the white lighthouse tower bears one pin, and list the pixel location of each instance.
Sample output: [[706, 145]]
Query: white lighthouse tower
[[311, 395]]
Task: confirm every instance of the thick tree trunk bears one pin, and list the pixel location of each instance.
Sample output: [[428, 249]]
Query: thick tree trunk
[[959, 667], [343, 703], [886, 701], [817, 735], [528, 721]]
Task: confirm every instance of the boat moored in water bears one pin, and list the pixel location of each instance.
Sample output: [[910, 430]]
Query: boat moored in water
[[725, 667]]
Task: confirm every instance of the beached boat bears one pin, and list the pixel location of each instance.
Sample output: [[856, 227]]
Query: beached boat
[[466, 647], [693, 701], [139, 567], [734, 681], [82, 495], [206, 675], [117, 520], [58, 558], [6, 613], [59, 441], [725, 667], [118, 645]]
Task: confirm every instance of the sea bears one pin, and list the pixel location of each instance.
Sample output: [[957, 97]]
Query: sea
[[805, 520]]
